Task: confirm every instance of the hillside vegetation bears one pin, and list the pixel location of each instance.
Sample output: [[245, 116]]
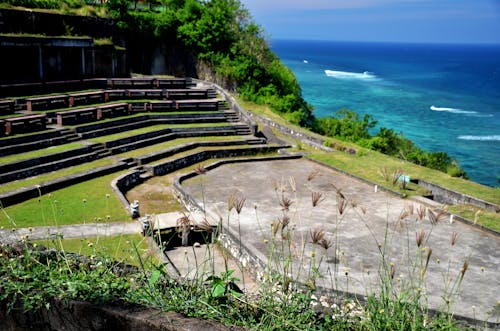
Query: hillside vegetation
[[221, 35]]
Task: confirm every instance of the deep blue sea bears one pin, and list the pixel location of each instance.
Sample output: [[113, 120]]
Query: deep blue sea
[[442, 97]]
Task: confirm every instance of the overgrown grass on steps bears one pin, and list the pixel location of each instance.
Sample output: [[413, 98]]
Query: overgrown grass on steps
[[118, 247], [40, 152], [91, 201], [157, 127], [7, 187]]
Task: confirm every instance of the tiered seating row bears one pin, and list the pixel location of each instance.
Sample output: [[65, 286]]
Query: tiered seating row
[[23, 124], [14, 90], [34, 123], [87, 98], [7, 107]]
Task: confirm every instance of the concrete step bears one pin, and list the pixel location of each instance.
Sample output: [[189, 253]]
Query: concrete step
[[73, 138], [103, 153], [256, 141], [146, 176]]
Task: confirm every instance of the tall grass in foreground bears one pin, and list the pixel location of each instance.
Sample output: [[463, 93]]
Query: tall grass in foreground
[[287, 296]]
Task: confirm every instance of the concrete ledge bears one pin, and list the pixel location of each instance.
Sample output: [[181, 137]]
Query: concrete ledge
[[71, 315], [125, 182], [445, 195]]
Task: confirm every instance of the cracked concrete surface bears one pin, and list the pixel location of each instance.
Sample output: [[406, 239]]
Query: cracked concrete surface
[[371, 220]]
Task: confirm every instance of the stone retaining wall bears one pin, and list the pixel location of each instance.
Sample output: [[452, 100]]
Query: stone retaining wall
[[127, 181], [447, 196], [73, 315]]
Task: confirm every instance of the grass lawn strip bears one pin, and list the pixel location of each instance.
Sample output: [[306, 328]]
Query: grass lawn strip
[[158, 127], [368, 167], [87, 202], [54, 175], [176, 142], [41, 152], [120, 248]]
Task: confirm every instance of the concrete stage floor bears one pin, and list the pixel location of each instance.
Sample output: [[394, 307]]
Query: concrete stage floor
[[357, 234]]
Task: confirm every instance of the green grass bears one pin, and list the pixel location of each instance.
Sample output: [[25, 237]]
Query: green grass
[[88, 202], [158, 127], [370, 163], [485, 218], [119, 247], [40, 152], [54, 175], [173, 143], [26, 134]]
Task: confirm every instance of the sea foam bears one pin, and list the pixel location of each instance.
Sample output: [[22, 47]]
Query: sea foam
[[481, 138], [452, 110], [350, 75]]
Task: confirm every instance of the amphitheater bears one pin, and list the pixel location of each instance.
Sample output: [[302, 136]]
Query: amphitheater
[[153, 138]]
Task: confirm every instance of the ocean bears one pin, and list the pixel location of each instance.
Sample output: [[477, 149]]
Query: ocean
[[442, 97]]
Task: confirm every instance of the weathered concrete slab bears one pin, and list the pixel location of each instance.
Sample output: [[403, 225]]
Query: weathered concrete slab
[[370, 227]]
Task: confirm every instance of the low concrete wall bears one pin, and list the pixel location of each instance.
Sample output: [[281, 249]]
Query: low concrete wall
[[170, 166], [73, 315], [127, 181], [444, 195]]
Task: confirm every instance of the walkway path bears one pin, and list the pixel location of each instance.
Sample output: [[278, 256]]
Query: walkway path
[[70, 231], [370, 218]]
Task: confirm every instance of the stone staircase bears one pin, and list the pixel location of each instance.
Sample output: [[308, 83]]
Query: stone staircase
[[91, 151]]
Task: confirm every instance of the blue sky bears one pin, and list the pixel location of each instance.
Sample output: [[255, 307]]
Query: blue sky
[[452, 21]]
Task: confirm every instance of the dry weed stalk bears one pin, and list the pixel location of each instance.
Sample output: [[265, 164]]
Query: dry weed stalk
[[285, 203], [421, 212], [316, 198], [317, 235], [396, 174], [434, 218], [420, 236], [384, 172], [341, 205], [200, 170], [239, 202], [313, 174]]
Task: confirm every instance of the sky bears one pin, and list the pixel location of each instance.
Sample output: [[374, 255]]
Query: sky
[[435, 21]]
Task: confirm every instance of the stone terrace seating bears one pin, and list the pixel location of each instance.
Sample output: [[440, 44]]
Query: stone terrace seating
[[25, 124], [180, 94], [92, 114], [209, 104], [77, 116], [46, 103], [113, 110], [113, 95], [86, 98], [125, 83], [146, 94], [153, 106], [6, 107]]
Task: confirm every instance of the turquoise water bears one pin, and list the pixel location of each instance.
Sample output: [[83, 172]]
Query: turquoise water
[[443, 97]]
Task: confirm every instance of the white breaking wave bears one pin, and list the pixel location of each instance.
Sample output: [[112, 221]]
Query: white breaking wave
[[350, 75], [482, 138], [453, 110], [305, 61]]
